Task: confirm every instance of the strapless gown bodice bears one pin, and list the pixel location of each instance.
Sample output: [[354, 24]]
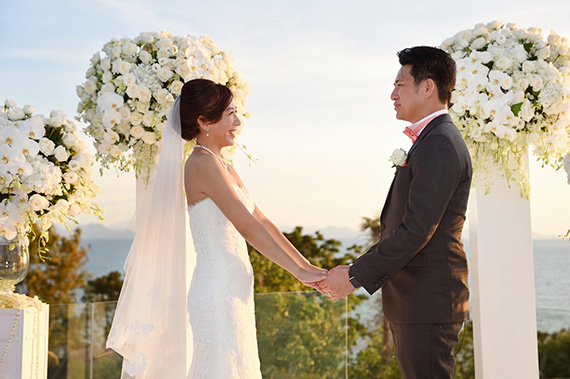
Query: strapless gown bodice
[[220, 300]]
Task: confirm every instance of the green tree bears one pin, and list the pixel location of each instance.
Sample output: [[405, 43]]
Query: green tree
[[554, 354], [303, 334], [103, 288], [60, 277]]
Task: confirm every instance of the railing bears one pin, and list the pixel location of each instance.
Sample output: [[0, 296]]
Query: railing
[[300, 335]]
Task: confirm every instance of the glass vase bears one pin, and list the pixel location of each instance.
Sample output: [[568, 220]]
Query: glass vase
[[14, 264]]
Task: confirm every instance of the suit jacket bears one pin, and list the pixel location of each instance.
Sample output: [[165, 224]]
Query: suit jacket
[[420, 263]]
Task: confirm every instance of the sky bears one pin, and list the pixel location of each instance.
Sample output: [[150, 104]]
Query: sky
[[321, 72]]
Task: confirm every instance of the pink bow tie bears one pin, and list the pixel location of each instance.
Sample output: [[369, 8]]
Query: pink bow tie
[[413, 131], [411, 134]]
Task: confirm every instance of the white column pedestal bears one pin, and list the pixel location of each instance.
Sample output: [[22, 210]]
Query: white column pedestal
[[26, 356], [502, 283]]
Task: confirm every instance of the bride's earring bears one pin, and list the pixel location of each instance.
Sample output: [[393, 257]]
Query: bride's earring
[[207, 132]]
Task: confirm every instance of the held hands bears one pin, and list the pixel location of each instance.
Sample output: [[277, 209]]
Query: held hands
[[311, 276], [336, 285]]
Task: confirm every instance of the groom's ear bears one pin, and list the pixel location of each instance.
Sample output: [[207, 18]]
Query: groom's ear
[[429, 88]]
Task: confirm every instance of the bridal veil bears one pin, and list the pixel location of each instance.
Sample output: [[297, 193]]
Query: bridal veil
[[150, 325]]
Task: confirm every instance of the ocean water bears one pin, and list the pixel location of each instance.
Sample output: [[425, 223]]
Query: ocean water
[[551, 273]]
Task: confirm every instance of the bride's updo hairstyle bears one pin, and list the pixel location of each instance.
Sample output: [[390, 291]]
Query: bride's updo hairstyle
[[201, 99]]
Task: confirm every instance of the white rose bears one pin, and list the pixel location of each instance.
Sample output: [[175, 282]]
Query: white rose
[[9, 103], [121, 67], [47, 146], [543, 53], [130, 49], [38, 202], [132, 90], [145, 57], [108, 87], [137, 131], [16, 113], [143, 93], [61, 205], [90, 86], [29, 109], [83, 160], [128, 79], [148, 119], [124, 128], [176, 87], [536, 82], [57, 118], [398, 157], [106, 64], [107, 77], [61, 153], [74, 165], [142, 106], [70, 177], [147, 37], [528, 66], [478, 43], [125, 113], [149, 138], [95, 58], [136, 118], [70, 140]]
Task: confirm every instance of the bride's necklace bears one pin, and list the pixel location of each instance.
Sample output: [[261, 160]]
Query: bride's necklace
[[224, 163]]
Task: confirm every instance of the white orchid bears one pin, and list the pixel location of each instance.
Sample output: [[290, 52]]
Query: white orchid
[[43, 164]]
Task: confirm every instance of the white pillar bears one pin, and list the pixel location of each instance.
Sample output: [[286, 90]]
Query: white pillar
[[502, 283], [24, 340]]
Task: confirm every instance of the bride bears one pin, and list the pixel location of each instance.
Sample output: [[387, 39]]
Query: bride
[[149, 326]]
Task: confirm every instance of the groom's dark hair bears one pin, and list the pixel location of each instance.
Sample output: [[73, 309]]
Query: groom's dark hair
[[431, 63]]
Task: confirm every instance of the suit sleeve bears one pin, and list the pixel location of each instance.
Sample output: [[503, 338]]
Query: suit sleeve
[[436, 172]]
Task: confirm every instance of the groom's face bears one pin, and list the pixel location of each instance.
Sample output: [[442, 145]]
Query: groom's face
[[407, 101]]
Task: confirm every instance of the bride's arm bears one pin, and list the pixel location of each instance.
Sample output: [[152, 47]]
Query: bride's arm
[[215, 182], [281, 239]]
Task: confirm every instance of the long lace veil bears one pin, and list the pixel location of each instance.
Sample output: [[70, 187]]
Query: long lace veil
[[150, 324]]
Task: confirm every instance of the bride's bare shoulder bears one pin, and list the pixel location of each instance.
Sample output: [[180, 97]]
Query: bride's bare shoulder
[[199, 163]]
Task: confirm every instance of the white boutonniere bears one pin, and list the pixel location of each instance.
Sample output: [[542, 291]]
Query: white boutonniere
[[398, 158]]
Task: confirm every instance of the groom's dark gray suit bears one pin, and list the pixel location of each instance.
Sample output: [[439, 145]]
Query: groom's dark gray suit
[[420, 263]]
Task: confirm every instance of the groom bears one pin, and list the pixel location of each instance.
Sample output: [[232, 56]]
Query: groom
[[419, 262]]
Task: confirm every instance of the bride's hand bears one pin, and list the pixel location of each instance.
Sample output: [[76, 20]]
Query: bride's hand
[[311, 276]]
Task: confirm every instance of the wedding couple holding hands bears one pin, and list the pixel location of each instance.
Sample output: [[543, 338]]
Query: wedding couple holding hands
[[419, 262]]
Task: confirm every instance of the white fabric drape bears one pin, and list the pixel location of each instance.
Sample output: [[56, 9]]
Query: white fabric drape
[[150, 325]]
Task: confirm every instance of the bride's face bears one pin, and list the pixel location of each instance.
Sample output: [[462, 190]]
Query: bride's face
[[225, 131]]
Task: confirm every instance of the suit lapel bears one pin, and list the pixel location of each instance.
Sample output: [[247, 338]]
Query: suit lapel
[[429, 127]]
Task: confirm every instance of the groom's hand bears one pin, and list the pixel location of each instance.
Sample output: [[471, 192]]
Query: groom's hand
[[337, 285]]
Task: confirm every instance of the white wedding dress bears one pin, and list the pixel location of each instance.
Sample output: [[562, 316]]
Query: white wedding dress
[[220, 300]]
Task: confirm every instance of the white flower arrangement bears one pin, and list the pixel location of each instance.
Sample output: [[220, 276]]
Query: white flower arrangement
[[129, 91], [398, 158], [512, 90], [45, 174], [12, 300]]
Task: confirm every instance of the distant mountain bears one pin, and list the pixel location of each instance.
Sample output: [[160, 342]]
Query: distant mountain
[[99, 231]]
